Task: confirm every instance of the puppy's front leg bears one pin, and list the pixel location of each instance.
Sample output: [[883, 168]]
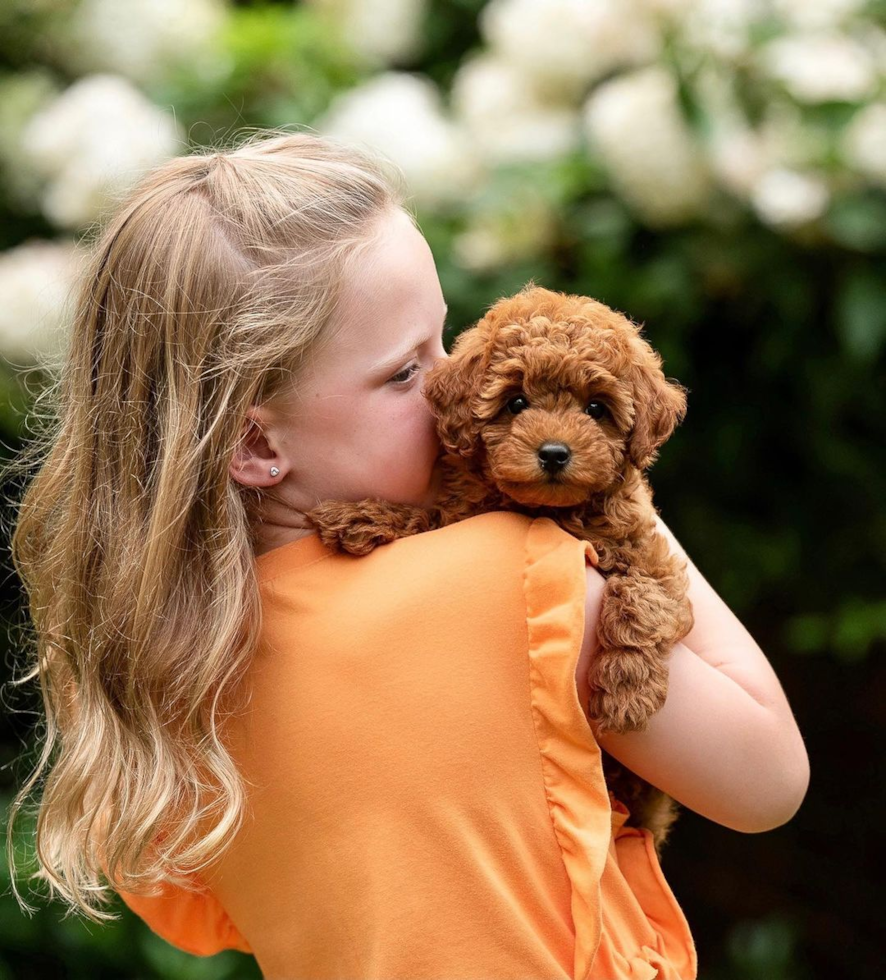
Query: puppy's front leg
[[357, 527], [628, 677]]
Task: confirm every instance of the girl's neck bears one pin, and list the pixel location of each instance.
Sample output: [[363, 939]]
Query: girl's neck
[[272, 537]]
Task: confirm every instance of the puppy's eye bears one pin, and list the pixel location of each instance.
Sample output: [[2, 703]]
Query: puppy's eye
[[596, 410], [518, 404]]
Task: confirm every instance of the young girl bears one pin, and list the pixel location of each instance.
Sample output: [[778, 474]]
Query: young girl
[[376, 767]]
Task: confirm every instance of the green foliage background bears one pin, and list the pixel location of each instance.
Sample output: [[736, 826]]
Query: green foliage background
[[774, 484]]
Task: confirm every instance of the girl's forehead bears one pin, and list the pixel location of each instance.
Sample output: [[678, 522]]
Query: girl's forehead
[[393, 290], [396, 268], [390, 301]]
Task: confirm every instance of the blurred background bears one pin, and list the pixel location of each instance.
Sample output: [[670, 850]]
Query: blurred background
[[716, 169]]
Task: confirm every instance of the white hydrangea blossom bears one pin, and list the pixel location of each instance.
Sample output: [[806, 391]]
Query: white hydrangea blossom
[[141, 38], [739, 154], [494, 238], [635, 124], [721, 28], [401, 115], [36, 287], [815, 14], [875, 42], [864, 142], [381, 32], [564, 45], [507, 121], [786, 199], [735, 152], [93, 143], [670, 9], [739, 159], [817, 67]]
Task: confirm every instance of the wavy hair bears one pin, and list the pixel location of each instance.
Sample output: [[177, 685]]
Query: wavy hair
[[204, 293]]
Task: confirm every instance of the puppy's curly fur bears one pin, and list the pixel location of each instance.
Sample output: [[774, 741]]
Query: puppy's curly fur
[[553, 405]]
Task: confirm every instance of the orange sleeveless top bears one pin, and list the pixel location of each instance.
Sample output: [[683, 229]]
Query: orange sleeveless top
[[426, 797]]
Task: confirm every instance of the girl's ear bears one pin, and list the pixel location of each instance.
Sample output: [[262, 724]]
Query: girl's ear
[[451, 387], [659, 405]]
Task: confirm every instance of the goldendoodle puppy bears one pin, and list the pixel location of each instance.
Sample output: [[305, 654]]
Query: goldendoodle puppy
[[553, 405]]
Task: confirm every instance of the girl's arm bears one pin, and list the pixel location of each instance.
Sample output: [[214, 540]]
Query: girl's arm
[[725, 744]]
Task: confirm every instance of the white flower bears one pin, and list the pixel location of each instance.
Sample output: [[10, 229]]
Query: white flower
[[381, 32], [719, 27], [523, 229], [736, 153], [670, 9], [141, 38], [789, 139], [875, 42], [634, 123], [93, 143], [819, 67], [787, 198], [738, 157], [400, 114], [864, 142], [564, 45], [739, 154], [36, 287], [507, 121], [814, 14]]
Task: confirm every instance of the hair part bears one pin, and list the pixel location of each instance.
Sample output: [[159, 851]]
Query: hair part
[[205, 293]]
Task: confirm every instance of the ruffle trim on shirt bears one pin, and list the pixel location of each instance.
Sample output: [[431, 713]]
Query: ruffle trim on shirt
[[192, 921], [588, 820], [575, 788], [670, 953], [674, 955]]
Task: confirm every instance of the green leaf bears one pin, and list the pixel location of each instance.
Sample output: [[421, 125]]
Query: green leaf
[[861, 314], [764, 949], [858, 623], [807, 633], [858, 222]]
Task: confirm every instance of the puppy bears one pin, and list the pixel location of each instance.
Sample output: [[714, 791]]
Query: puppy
[[553, 405]]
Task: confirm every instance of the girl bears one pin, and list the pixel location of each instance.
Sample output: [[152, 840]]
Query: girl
[[369, 767]]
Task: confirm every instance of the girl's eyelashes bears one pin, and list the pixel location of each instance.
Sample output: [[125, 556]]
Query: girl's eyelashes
[[408, 372], [402, 378]]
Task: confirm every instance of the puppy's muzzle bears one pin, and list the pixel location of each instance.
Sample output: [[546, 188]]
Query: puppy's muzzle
[[553, 456]]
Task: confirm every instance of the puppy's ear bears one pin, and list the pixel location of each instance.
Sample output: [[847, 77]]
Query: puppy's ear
[[451, 387], [659, 405]]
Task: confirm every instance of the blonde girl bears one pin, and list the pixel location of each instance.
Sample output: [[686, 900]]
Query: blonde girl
[[368, 767]]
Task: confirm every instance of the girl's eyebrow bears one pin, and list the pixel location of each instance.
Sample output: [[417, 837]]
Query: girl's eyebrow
[[389, 363]]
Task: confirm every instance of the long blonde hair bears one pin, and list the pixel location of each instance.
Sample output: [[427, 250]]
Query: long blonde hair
[[205, 292]]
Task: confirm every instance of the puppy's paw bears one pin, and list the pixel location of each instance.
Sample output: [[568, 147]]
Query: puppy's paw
[[627, 687], [637, 611], [361, 526]]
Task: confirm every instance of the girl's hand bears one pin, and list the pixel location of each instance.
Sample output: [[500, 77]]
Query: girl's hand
[[725, 744]]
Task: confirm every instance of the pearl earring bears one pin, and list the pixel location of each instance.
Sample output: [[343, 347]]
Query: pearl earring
[[274, 471]]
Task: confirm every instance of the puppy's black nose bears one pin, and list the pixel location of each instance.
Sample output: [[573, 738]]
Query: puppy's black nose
[[553, 456]]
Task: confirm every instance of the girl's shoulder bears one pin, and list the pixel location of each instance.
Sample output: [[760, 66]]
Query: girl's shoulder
[[494, 532], [473, 542], [497, 567], [483, 551]]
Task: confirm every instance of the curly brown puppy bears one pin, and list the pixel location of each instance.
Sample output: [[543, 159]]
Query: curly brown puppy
[[553, 405]]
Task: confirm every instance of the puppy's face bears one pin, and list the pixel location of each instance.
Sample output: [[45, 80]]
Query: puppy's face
[[553, 396]]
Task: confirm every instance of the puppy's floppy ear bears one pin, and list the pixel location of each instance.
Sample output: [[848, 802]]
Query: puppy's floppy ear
[[451, 386], [659, 405]]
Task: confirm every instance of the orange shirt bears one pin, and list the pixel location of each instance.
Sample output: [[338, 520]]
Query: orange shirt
[[426, 797]]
